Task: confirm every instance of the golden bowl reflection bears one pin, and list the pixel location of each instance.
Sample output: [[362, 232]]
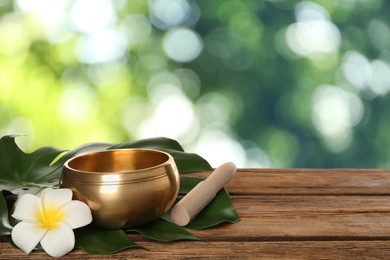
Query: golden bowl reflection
[[123, 187]]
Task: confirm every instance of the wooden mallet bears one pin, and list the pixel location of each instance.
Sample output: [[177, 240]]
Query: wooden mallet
[[203, 193]]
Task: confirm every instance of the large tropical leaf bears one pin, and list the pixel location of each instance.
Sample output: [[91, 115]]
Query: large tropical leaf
[[26, 173], [82, 149], [5, 227], [161, 230], [94, 240], [152, 143]]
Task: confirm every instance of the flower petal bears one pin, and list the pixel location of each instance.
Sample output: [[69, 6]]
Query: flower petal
[[27, 208], [76, 214], [59, 241], [27, 235], [55, 198]]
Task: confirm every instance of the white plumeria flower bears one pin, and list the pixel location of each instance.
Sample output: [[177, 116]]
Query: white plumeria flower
[[49, 220]]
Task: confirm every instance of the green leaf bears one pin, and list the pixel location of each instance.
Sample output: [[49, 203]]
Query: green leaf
[[5, 227], [82, 149], [186, 162], [164, 231], [189, 162], [188, 183], [23, 173], [26, 173], [220, 210], [98, 241], [152, 143]]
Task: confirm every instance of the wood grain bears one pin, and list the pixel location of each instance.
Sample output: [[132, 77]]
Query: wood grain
[[309, 182], [287, 218], [233, 250], [285, 214]]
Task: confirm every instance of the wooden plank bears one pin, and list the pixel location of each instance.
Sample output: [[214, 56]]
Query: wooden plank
[[261, 204], [286, 214], [297, 218], [308, 182], [287, 218], [235, 250]]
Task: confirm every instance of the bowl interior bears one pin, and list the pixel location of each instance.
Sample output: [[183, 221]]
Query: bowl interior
[[122, 160]]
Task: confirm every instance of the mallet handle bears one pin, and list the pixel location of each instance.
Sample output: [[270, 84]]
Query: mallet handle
[[203, 193]]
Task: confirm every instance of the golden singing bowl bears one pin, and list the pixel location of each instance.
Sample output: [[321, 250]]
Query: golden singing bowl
[[123, 187]]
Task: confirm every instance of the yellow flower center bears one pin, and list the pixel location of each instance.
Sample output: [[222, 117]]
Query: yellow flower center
[[50, 217]]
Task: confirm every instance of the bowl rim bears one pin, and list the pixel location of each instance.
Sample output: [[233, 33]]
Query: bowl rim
[[169, 161]]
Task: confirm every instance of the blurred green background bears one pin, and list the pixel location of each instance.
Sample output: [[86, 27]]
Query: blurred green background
[[261, 83]]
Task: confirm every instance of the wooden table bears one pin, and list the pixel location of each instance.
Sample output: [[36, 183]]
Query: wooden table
[[285, 214]]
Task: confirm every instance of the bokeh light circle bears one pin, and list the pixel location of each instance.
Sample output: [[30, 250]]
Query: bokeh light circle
[[182, 45]]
